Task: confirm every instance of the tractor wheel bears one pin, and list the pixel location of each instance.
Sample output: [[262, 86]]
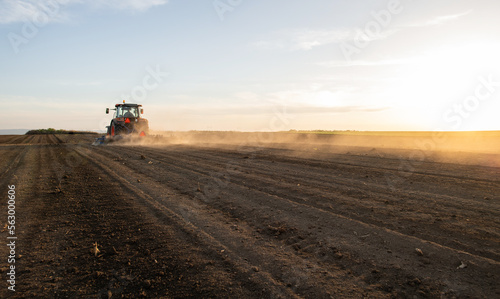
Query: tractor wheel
[[114, 130]]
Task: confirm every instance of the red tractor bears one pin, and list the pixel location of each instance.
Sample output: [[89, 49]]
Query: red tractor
[[127, 120]]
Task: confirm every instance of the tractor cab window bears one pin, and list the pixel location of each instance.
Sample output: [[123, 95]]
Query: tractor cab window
[[118, 112], [130, 112]]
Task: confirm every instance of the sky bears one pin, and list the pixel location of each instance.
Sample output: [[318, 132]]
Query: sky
[[252, 65]]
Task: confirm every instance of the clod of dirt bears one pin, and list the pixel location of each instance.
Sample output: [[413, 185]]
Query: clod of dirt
[[143, 157], [150, 162], [57, 190], [95, 250], [414, 282], [138, 180], [278, 230], [419, 251]]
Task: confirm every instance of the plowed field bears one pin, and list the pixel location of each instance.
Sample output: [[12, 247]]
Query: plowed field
[[266, 221]]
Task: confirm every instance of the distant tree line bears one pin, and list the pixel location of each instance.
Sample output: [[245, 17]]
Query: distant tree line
[[54, 131]]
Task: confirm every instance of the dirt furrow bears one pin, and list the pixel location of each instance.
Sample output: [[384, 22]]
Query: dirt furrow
[[12, 139], [11, 163], [268, 262], [370, 186], [8, 155], [264, 221], [338, 173], [348, 161], [258, 199], [25, 176], [362, 203]]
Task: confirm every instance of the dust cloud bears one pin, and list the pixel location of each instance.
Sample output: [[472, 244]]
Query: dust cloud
[[476, 148]]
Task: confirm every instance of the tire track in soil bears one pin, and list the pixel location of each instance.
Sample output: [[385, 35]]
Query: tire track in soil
[[369, 187], [375, 197], [357, 198], [214, 230], [38, 215], [30, 139], [22, 175], [12, 164], [12, 139], [184, 164], [307, 247], [8, 154], [60, 220], [240, 280], [51, 139], [485, 262], [298, 156]]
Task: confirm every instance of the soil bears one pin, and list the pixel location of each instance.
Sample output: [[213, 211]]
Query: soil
[[266, 221]]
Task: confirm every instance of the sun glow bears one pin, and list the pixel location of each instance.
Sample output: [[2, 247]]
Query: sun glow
[[442, 70], [445, 76]]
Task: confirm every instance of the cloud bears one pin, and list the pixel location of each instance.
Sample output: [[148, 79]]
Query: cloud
[[135, 5], [350, 63], [13, 11], [439, 20], [79, 84], [315, 99], [269, 44], [265, 110], [302, 39], [340, 109], [307, 39]]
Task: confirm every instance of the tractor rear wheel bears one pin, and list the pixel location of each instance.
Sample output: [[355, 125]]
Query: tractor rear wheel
[[114, 130]]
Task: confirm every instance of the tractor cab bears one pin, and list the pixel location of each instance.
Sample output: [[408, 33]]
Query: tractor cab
[[127, 111]]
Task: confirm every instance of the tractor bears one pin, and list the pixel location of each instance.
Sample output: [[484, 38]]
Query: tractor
[[127, 120]]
